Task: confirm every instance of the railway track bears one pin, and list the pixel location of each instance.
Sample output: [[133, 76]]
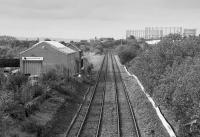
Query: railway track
[[127, 124], [87, 121]]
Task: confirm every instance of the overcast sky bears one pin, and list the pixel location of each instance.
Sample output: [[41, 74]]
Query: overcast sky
[[83, 19]]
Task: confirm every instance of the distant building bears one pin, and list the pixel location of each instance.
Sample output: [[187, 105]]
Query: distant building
[[189, 32], [154, 32], [136, 33], [159, 32], [48, 54], [83, 41], [106, 39]]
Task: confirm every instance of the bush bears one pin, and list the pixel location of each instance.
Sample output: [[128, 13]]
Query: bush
[[16, 111], [28, 92], [99, 49], [31, 126], [2, 79], [170, 73], [37, 90], [127, 53], [16, 81], [51, 75]]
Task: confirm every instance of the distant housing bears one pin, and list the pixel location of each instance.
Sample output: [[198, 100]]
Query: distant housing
[[106, 39], [159, 32], [189, 32]]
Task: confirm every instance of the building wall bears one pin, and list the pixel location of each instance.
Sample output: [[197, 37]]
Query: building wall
[[189, 32], [52, 57], [154, 32]]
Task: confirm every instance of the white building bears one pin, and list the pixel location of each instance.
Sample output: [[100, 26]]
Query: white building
[[189, 32]]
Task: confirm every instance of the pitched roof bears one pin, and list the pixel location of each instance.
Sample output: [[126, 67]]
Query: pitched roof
[[73, 47], [60, 47], [56, 45]]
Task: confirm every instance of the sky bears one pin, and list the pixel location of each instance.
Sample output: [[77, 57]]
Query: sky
[[85, 19]]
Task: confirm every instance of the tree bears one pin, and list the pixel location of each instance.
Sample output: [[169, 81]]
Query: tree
[[173, 37], [47, 39], [127, 53], [15, 83], [170, 73]]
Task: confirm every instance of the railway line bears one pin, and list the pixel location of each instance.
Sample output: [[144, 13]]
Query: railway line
[[127, 124], [90, 118], [87, 121]]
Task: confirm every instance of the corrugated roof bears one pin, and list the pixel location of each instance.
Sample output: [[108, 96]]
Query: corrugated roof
[[60, 47], [73, 47], [56, 45]]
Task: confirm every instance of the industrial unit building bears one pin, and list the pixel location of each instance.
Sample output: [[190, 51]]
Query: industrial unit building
[[154, 32], [48, 54], [189, 32]]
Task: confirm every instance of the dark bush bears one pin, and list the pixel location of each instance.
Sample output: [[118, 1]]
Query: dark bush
[[170, 73], [31, 126], [16, 81], [50, 76], [127, 53], [37, 90], [2, 79], [16, 111]]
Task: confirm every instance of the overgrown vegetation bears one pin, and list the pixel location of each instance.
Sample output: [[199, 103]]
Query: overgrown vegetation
[[170, 73], [10, 46], [130, 49], [26, 98]]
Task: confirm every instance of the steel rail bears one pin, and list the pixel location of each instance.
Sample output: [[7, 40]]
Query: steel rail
[[116, 101], [78, 112], [127, 99], [76, 115], [102, 108], [88, 110]]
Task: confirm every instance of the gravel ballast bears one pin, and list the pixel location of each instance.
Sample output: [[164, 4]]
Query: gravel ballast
[[147, 119], [109, 119]]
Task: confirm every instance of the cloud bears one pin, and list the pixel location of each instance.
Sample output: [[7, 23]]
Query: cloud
[[94, 17], [74, 9], [182, 4]]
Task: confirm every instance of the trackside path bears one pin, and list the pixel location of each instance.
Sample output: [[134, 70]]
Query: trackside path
[[149, 121]]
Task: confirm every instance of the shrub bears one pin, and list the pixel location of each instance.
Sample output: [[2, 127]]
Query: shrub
[[31, 126], [2, 79], [50, 78], [170, 73], [28, 92], [14, 135], [99, 49], [16, 81], [15, 110], [37, 90], [127, 53]]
